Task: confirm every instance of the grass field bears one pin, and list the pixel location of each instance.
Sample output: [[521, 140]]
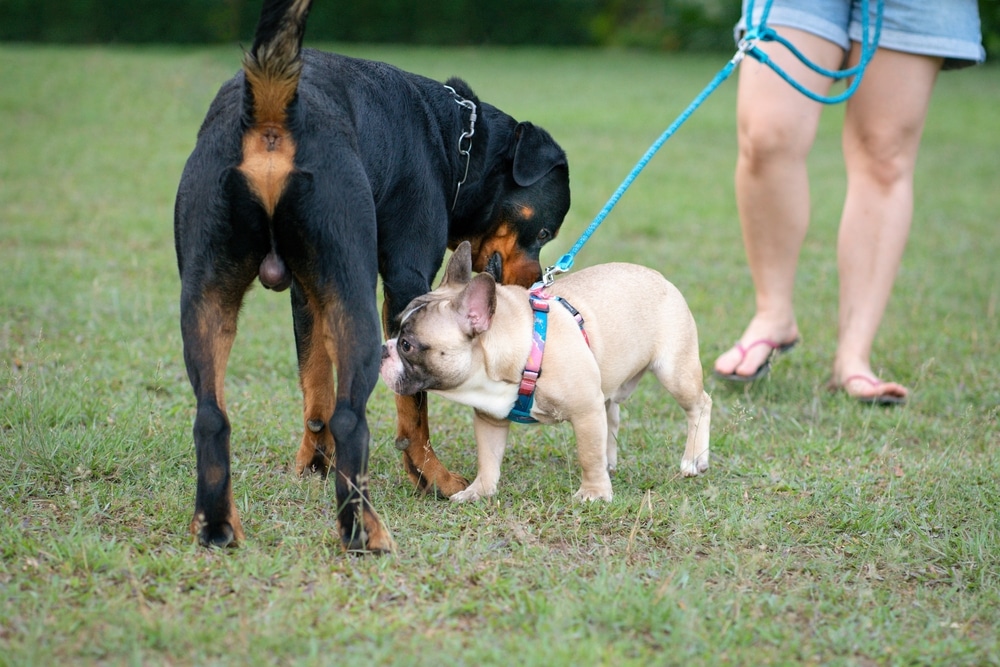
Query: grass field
[[825, 532]]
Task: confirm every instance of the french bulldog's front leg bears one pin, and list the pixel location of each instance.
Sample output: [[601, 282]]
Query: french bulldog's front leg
[[491, 441], [591, 430]]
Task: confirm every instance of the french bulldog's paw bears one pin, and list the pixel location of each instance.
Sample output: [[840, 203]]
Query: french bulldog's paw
[[472, 493], [467, 496], [693, 468], [593, 494]]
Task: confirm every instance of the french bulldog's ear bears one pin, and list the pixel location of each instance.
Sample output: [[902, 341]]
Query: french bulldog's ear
[[536, 153], [476, 304], [459, 270]]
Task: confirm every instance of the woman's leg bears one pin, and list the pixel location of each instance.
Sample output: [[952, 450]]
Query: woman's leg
[[883, 124], [776, 126]]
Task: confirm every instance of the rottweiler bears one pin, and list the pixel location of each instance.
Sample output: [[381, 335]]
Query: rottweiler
[[319, 172]]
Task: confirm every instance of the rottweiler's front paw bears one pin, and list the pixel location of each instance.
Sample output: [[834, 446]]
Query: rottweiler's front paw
[[451, 485], [432, 478]]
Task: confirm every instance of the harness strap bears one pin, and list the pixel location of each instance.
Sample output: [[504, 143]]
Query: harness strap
[[576, 316], [521, 412]]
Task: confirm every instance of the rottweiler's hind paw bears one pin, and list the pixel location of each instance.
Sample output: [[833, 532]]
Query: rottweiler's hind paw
[[374, 538], [220, 535]]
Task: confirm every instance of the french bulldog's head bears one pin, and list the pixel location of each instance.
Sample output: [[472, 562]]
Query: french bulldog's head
[[437, 347]]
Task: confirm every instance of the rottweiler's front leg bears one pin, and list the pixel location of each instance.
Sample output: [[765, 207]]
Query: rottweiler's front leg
[[402, 283], [422, 466], [208, 327]]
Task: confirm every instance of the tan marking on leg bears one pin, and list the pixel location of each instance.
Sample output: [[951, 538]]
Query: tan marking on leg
[[316, 382]]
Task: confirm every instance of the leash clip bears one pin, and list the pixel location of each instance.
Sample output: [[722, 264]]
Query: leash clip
[[549, 275], [747, 43], [564, 264]]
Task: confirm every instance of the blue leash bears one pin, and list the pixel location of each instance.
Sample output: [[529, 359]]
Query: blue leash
[[747, 46]]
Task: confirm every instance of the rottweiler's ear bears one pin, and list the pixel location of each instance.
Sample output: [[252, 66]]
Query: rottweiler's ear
[[459, 270], [536, 153], [477, 304]]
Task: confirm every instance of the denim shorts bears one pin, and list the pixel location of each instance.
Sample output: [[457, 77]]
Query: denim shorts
[[946, 28]]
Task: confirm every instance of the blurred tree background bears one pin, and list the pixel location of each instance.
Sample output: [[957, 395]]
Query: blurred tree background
[[668, 25]]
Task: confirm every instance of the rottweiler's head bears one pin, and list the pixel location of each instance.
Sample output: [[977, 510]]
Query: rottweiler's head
[[520, 200]]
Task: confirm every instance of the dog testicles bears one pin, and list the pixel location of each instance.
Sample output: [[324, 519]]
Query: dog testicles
[[274, 274]]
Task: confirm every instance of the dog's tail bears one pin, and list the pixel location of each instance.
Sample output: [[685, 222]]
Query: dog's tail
[[274, 63], [272, 69]]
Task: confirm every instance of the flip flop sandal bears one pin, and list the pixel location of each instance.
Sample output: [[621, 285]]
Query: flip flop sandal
[[764, 368]]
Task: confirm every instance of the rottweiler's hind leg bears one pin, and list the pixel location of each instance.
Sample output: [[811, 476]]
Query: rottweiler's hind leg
[[208, 327], [316, 381], [330, 331], [358, 355]]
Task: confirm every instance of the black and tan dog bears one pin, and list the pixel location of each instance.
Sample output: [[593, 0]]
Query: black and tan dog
[[321, 172]]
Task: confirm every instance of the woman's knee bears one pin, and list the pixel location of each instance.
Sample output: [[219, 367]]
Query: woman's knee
[[887, 156], [765, 141]]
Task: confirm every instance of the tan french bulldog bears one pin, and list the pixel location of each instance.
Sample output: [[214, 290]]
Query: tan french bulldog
[[469, 340]]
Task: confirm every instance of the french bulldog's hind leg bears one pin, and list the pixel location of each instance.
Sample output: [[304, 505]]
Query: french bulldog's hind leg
[[699, 417], [685, 384], [614, 419], [491, 441], [690, 394]]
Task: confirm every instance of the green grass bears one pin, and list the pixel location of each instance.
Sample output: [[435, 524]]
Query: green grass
[[825, 532]]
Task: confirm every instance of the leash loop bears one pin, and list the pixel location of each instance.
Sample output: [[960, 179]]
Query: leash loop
[[747, 46], [869, 45]]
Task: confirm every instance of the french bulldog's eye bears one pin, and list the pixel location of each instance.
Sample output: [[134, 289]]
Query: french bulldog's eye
[[404, 345]]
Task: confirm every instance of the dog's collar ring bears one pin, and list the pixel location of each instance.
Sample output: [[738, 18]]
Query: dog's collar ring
[[465, 140]]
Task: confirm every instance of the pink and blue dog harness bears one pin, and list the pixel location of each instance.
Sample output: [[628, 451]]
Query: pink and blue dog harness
[[521, 412]]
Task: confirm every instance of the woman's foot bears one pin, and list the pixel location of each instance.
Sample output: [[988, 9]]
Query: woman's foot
[[866, 388], [750, 358]]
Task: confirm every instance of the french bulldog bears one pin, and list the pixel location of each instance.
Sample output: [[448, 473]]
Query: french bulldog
[[469, 339]]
